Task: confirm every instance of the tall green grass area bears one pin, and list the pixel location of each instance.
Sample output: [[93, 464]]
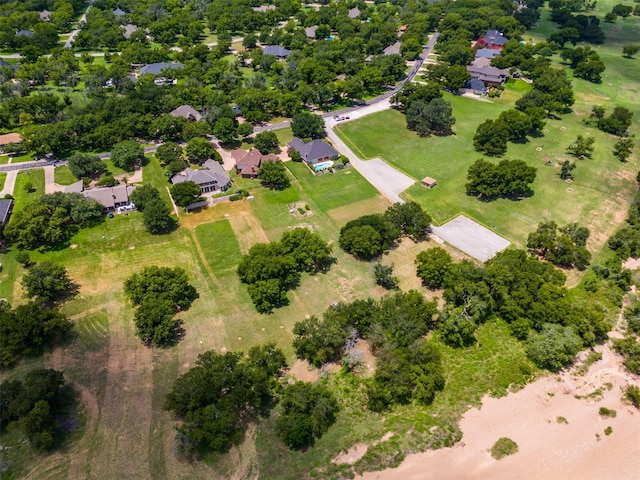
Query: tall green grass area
[[497, 362]]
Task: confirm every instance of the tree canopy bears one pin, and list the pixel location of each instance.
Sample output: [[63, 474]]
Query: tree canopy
[[508, 178], [273, 175], [46, 281], [127, 154], [185, 193], [223, 391], [84, 165], [307, 125]]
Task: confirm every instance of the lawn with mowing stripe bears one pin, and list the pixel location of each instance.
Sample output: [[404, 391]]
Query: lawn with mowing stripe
[[219, 245]]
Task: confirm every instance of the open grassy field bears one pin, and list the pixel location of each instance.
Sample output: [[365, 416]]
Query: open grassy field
[[598, 197], [20, 193]]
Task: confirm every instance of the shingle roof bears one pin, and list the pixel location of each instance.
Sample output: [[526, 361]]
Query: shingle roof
[[10, 138], [76, 187], [212, 172], [129, 30], [354, 12], [24, 33], [118, 12], [314, 150], [188, 112], [393, 49], [251, 158], [263, 8], [108, 197], [45, 15], [5, 208], [156, 68], [276, 51], [222, 178], [487, 53], [310, 32], [476, 84], [494, 37]]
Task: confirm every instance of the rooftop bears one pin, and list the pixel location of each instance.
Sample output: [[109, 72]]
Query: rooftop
[[188, 112], [10, 138], [276, 51], [156, 68]]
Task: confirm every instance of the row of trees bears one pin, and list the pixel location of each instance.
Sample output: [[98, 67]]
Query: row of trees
[[159, 293], [368, 236], [271, 269]]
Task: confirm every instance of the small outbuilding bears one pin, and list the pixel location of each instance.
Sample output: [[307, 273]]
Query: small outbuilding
[[429, 182]]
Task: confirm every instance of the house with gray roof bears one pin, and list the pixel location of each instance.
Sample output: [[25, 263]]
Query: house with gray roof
[[487, 53], [354, 12], [392, 49], [263, 8], [276, 51], [476, 86], [489, 75], [494, 39], [188, 112], [6, 205], [119, 12], [210, 178], [314, 151], [156, 68], [112, 198], [45, 16], [24, 33], [310, 32], [129, 30]]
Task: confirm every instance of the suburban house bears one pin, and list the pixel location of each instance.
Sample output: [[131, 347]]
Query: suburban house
[[188, 112], [354, 12], [129, 29], [310, 32], [263, 8], [156, 68], [476, 86], [45, 16], [6, 205], [276, 51], [313, 152], [488, 74], [487, 53], [111, 198], [8, 138], [493, 39], [118, 12], [24, 33], [248, 162], [393, 49], [210, 178]]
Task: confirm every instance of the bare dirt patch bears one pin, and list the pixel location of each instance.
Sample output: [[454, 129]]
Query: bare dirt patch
[[351, 456], [354, 210], [631, 263], [547, 449], [73, 246], [367, 360], [303, 372]]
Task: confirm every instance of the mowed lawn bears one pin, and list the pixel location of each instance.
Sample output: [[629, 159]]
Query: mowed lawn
[[598, 197]]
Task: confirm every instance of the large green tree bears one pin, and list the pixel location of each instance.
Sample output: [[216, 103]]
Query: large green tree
[[85, 165], [307, 125], [185, 193], [433, 266], [273, 175], [47, 281], [127, 154]]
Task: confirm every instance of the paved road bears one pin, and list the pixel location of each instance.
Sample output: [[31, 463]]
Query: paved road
[[73, 35]]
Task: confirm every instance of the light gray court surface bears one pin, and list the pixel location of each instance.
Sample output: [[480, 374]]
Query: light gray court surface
[[471, 237]]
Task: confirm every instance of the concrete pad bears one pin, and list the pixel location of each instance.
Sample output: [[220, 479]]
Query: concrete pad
[[472, 238]]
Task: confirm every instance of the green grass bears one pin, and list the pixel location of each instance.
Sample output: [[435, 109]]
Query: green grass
[[3, 177], [153, 174], [219, 245], [22, 196], [503, 447], [600, 184], [27, 157], [285, 135], [330, 190], [63, 175]]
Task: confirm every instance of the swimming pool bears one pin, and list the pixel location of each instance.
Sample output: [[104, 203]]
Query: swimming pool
[[323, 166]]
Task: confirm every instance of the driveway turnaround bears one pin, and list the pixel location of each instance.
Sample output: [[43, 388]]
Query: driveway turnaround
[[471, 237]]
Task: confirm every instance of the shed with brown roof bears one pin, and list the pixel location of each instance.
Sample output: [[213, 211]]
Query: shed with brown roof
[[429, 182]]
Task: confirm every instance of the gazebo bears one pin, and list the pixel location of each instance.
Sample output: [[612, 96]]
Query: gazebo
[[429, 182]]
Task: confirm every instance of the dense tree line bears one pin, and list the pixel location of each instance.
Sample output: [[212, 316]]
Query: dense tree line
[[508, 178], [34, 405], [585, 63], [159, 293], [270, 269], [52, 221], [616, 123], [575, 28], [368, 236], [223, 392], [529, 295]]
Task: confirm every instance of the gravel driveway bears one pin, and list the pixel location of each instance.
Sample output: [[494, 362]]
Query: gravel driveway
[[471, 237]]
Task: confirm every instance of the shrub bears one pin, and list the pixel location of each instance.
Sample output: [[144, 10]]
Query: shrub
[[606, 412], [503, 447], [632, 394]]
